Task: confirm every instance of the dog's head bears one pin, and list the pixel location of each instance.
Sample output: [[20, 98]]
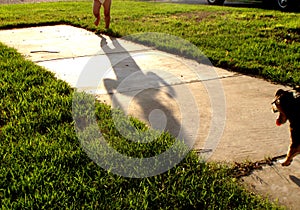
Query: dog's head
[[285, 103]]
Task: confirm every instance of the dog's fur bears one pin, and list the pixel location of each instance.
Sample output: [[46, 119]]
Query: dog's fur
[[287, 103]]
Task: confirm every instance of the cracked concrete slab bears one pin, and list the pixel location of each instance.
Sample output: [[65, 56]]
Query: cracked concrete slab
[[56, 42], [164, 91]]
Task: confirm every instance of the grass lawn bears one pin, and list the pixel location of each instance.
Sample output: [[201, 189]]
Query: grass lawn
[[42, 163]]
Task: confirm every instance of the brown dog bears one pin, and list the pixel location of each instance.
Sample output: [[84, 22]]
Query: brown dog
[[287, 103]]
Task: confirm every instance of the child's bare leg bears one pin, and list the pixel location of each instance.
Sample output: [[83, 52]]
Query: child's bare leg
[[106, 6], [96, 11]]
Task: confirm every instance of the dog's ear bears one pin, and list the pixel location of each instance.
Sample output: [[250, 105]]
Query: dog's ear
[[279, 92]]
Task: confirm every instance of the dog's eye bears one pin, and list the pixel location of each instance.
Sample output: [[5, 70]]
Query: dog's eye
[[276, 101]]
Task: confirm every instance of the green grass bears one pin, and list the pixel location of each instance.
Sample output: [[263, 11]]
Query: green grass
[[264, 43], [42, 162]]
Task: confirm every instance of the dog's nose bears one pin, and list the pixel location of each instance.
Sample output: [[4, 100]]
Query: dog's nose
[[274, 108]]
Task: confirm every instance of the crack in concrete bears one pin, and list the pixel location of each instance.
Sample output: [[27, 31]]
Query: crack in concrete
[[120, 91], [87, 55]]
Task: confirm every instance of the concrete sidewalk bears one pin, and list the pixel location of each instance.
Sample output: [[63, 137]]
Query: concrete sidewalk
[[164, 91]]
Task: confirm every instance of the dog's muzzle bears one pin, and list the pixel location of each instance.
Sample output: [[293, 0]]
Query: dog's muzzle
[[274, 107]]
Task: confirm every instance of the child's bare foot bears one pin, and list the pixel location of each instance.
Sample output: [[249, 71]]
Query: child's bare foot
[[97, 21]]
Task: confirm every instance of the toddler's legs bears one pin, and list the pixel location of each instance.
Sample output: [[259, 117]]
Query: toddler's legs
[[106, 6], [96, 11]]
